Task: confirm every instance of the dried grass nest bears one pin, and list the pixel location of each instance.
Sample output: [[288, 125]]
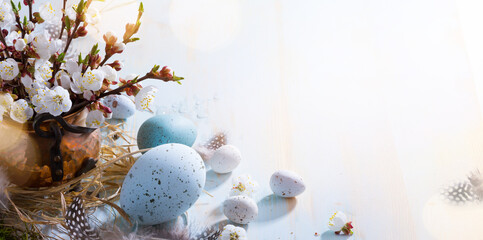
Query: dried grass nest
[[30, 208]]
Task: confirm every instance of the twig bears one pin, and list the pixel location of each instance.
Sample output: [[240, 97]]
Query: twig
[[2, 39], [30, 9], [118, 90], [63, 20]]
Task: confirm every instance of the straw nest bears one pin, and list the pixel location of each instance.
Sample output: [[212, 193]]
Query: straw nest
[[30, 209]]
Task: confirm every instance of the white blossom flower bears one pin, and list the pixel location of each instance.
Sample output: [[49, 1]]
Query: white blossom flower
[[109, 72], [57, 100], [20, 111], [243, 185], [47, 12], [71, 66], [93, 16], [2, 111], [32, 85], [6, 100], [6, 14], [20, 44], [145, 98], [43, 70], [12, 35], [95, 119], [8, 69], [44, 46], [231, 232], [70, 12], [30, 26], [63, 78], [338, 223], [91, 80], [38, 100]]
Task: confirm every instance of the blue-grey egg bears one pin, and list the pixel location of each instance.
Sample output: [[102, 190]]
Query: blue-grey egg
[[122, 107], [163, 183], [169, 128]]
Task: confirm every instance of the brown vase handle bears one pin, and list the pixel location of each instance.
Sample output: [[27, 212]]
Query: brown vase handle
[[56, 161]]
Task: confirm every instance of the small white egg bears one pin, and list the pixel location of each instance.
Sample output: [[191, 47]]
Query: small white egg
[[240, 209], [225, 159], [287, 184]]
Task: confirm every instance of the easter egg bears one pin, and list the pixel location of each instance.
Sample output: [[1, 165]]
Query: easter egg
[[164, 129], [122, 107], [240, 209], [163, 183], [287, 184], [225, 159]]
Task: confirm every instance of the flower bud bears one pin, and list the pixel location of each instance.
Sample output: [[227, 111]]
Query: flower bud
[[166, 72], [118, 47], [30, 26], [81, 32], [95, 61], [81, 17], [116, 65], [110, 38]]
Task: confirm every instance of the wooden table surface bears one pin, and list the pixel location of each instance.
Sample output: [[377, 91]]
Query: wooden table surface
[[376, 104]]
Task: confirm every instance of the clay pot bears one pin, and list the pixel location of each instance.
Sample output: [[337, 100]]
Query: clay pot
[[25, 156]]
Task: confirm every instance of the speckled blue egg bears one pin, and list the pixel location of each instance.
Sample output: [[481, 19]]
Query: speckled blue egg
[[163, 183], [122, 107], [164, 129]]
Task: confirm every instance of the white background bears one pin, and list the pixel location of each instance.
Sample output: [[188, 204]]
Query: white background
[[376, 103]]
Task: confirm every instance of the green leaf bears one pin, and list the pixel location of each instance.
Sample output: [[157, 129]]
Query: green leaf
[[134, 39], [86, 60], [14, 8], [81, 7], [67, 23], [60, 58], [80, 58], [141, 7], [155, 68], [25, 20], [38, 18], [135, 79], [176, 78], [19, 6], [95, 49]]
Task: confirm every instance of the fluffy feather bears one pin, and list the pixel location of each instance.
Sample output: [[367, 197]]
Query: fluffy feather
[[476, 181], [159, 232], [4, 203], [207, 149]]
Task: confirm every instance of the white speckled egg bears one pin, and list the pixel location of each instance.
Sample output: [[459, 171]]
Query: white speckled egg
[[163, 183], [122, 107], [225, 159], [240, 209], [287, 184]]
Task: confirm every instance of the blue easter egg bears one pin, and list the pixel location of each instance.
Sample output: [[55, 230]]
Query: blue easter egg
[[122, 107], [164, 129], [163, 184]]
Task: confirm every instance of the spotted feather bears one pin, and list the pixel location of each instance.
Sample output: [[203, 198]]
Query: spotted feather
[[77, 222], [459, 193], [216, 141]]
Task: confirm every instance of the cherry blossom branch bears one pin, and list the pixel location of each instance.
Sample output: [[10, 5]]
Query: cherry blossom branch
[[30, 9], [63, 20], [19, 24], [120, 89]]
